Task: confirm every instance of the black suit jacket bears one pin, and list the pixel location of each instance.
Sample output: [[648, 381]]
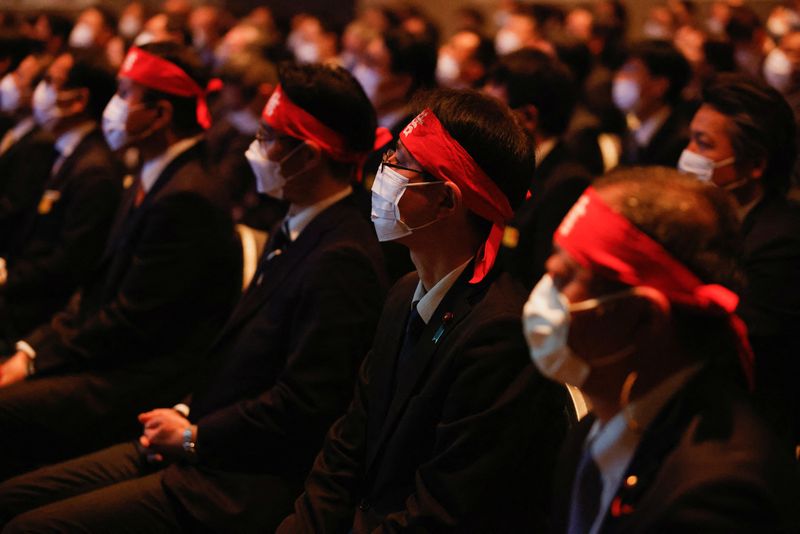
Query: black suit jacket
[[170, 274], [24, 168], [665, 146], [706, 464], [284, 368], [59, 243], [558, 182], [465, 442], [770, 307]]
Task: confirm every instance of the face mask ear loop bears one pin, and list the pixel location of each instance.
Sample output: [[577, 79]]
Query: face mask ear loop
[[625, 400]]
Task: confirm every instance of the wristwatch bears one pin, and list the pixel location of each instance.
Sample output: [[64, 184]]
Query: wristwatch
[[189, 446]]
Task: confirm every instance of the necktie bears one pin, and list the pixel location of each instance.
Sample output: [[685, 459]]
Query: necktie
[[586, 492], [414, 326], [278, 242]]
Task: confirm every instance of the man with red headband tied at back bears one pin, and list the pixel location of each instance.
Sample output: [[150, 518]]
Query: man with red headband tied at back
[[169, 276], [631, 311], [451, 428], [282, 368]]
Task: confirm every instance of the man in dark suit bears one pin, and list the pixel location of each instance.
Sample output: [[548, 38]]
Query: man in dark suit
[[449, 422], [53, 247], [284, 365], [167, 280], [645, 327], [648, 89], [742, 141], [542, 93]]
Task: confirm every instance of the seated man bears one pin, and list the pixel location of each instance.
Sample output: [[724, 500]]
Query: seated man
[[743, 141], [449, 421], [631, 311], [284, 365], [65, 210], [167, 280]]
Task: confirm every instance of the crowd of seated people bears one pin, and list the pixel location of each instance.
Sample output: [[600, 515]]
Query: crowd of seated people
[[265, 274]]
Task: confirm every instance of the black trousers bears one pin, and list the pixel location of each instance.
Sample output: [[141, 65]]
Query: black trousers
[[112, 490]]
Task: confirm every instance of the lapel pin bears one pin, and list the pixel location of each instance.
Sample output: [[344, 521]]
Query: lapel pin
[[446, 318]]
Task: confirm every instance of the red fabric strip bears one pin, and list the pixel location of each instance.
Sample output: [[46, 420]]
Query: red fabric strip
[[441, 155]]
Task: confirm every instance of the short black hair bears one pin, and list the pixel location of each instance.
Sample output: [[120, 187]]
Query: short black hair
[[248, 71], [60, 26], [184, 109], [412, 55], [696, 223], [532, 77], [763, 125], [742, 24], [491, 135], [336, 99], [16, 47], [94, 74], [663, 60]]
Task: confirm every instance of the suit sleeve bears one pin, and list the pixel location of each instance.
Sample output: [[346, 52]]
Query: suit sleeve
[[489, 420], [331, 330], [26, 182], [172, 260], [83, 236]]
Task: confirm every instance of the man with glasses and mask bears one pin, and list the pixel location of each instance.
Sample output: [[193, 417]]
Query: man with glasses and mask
[[449, 422], [743, 141], [631, 311], [166, 281], [280, 372], [59, 231]]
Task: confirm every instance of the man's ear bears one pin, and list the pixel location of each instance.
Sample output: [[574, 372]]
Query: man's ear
[[164, 114], [528, 116], [451, 200], [656, 308]]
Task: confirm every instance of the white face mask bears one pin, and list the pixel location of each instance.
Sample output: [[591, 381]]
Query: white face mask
[[448, 70], [625, 94], [9, 94], [387, 190], [129, 26], [699, 165], [82, 36], [369, 79], [546, 320], [144, 38], [306, 52], [115, 117], [778, 70], [45, 110], [506, 41], [269, 178]]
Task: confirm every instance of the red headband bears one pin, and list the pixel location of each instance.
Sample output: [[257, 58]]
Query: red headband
[[287, 117], [441, 155], [606, 243], [157, 73]]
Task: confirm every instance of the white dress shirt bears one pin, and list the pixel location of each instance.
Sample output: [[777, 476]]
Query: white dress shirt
[[614, 443], [643, 132], [300, 217], [69, 141], [20, 130], [152, 168], [428, 300]]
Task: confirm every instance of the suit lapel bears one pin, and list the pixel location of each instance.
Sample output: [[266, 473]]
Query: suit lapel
[[453, 309], [281, 266]]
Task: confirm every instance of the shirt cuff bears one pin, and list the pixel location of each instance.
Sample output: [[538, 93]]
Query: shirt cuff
[[23, 346], [182, 409]]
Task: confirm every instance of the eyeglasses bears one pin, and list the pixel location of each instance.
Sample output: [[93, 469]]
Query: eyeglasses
[[391, 153]]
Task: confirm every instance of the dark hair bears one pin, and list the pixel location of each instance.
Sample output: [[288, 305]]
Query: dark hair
[[719, 55], [490, 134], [763, 126], [336, 99], [60, 26], [697, 224], [663, 60], [93, 73], [108, 16], [248, 71], [413, 56], [184, 109], [17, 47], [533, 77], [742, 24]]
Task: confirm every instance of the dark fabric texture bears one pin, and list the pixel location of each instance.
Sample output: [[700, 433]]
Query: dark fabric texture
[[465, 443]]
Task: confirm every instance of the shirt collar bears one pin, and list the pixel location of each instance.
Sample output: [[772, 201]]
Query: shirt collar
[[23, 127], [614, 443], [69, 140], [296, 222], [643, 132], [428, 301], [153, 168], [743, 211], [244, 121], [544, 148]]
